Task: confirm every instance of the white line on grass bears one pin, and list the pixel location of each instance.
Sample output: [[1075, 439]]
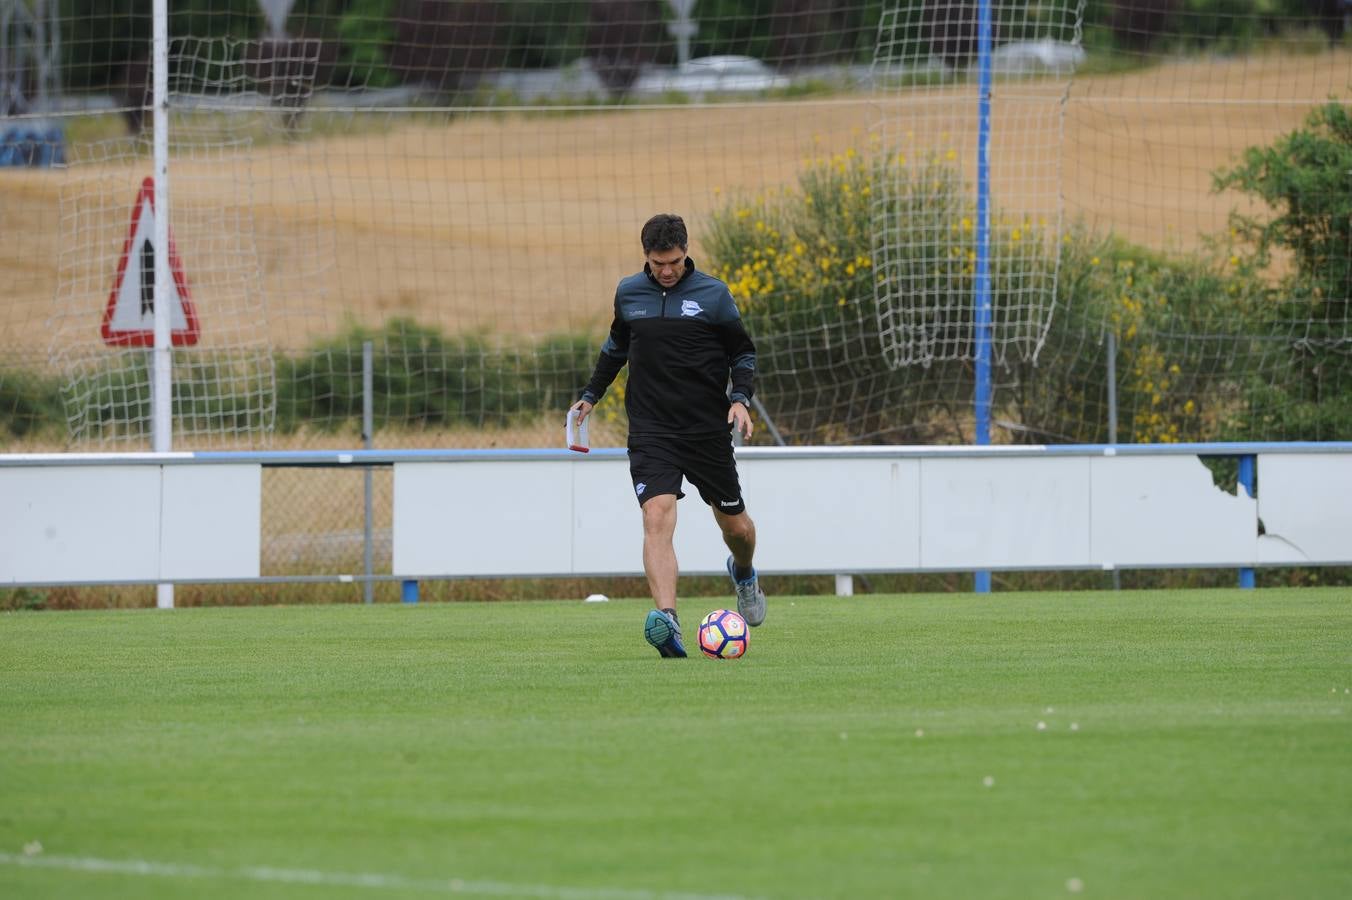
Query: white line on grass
[[375, 880]]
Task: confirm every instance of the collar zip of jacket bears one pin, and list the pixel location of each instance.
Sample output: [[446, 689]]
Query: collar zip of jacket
[[689, 270]]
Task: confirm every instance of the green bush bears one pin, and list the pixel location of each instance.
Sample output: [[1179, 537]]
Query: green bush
[[1303, 178], [29, 403], [213, 392], [802, 266], [422, 377], [1182, 327], [1191, 333]]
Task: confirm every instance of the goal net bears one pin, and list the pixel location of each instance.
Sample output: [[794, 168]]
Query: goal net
[[461, 184]]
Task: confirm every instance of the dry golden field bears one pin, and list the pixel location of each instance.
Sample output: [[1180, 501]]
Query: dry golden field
[[508, 222]]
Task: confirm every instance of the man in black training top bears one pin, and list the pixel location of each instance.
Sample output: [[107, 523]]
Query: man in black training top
[[682, 336]]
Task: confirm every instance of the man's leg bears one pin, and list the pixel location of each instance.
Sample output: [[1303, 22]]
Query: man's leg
[[739, 533], [659, 563], [659, 554]]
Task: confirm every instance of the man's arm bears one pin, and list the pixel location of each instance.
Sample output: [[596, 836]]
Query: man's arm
[[614, 354], [741, 366], [741, 358]]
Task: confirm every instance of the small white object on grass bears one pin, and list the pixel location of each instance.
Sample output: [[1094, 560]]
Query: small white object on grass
[[1041, 726], [988, 781], [1074, 885], [920, 732], [32, 848], [596, 598]]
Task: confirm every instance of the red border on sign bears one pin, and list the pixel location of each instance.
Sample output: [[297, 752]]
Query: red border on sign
[[184, 337]]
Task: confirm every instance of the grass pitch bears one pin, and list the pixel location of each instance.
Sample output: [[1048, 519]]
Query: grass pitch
[[1155, 744]]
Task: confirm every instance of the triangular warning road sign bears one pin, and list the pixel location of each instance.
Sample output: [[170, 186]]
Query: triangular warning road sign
[[129, 320]]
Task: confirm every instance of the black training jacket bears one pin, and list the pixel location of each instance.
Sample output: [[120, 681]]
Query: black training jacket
[[681, 343]]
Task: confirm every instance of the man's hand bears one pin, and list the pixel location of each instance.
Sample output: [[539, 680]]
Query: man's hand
[[584, 409], [740, 418]]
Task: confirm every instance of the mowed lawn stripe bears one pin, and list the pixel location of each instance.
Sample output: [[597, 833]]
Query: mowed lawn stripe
[[1168, 743]]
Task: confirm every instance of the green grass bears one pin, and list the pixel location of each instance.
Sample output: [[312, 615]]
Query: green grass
[[1197, 744]]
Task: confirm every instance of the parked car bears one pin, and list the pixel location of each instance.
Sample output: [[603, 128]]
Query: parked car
[[704, 75], [1044, 57]]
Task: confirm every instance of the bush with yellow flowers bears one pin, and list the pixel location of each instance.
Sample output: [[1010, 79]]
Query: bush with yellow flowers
[[800, 263], [1186, 332], [808, 265], [839, 365]]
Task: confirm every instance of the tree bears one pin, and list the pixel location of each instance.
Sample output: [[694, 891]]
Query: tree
[[1305, 178], [622, 36], [951, 30], [286, 70], [807, 31], [445, 45], [1138, 24]]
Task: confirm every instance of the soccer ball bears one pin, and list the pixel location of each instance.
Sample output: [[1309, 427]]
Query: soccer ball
[[723, 635]]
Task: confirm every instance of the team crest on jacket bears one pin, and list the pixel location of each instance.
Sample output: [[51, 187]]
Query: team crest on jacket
[[690, 308]]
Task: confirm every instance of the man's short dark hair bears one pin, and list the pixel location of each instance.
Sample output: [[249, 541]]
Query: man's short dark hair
[[664, 232]]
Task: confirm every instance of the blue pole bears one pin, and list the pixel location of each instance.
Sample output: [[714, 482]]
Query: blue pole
[[1248, 469], [982, 311], [982, 300]]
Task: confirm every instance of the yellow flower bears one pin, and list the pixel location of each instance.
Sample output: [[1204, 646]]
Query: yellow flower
[[951, 155], [1016, 235]]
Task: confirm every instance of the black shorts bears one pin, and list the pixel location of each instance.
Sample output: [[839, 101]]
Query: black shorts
[[658, 462]]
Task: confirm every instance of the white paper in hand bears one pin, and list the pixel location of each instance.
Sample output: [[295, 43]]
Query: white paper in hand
[[575, 433]]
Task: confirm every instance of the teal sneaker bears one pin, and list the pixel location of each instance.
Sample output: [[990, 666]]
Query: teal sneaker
[[750, 597], [664, 633]]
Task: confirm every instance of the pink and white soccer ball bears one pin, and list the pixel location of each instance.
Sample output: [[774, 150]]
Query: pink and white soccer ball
[[723, 634]]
